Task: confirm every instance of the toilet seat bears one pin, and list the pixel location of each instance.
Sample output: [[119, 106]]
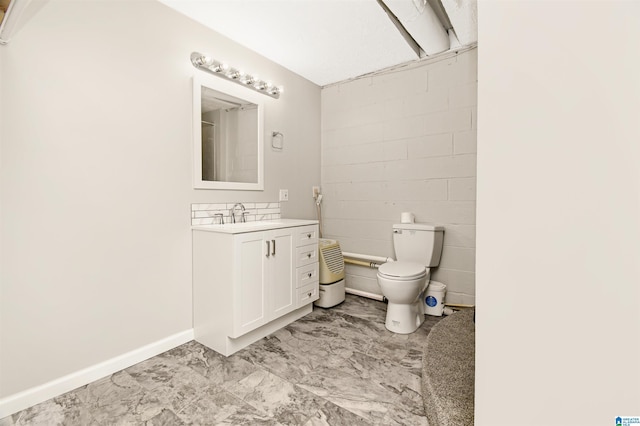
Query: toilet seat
[[402, 271]]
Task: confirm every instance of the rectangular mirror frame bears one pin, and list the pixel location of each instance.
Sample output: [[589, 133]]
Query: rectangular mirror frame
[[236, 91]]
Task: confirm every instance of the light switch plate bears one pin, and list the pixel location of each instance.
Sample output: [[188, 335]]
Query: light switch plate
[[277, 140], [284, 195]]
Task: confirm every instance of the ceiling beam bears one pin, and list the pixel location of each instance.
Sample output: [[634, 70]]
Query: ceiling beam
[[403, 31], [420, 22]]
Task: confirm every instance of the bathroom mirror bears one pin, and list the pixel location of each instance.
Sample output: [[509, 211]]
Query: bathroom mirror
[[228, 134]]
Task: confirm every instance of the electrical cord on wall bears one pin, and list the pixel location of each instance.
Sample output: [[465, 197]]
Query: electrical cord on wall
[[318, 199]]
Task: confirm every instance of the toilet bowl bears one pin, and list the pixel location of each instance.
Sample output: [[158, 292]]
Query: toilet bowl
[[418, 247], [403, 284]]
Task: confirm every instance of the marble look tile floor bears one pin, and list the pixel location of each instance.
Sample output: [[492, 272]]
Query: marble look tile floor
[[337, 366]]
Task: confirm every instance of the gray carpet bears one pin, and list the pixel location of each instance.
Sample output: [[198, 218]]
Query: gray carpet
[[448, 371]]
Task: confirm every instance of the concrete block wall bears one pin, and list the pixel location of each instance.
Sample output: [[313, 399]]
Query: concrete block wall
[[403, 140]]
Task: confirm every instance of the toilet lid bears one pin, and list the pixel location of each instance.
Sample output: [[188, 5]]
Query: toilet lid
[[402, 269]]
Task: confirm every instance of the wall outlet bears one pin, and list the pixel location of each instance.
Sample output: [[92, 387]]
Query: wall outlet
[[316, 191], [284, 195]]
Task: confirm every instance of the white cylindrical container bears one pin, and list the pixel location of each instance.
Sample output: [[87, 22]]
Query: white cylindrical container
[[434, 298]]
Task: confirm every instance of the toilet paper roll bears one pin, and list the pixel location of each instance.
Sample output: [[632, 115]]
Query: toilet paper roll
[[407, 217]]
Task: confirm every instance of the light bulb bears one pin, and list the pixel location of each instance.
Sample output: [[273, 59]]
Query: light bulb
[[217, 67], [205, 60], [247, 79], [233, 74]]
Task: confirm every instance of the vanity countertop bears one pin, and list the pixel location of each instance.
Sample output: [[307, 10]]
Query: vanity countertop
[[262, 225]]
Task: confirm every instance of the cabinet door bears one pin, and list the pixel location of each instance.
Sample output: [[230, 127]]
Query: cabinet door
[[250, 282], [281, 273]]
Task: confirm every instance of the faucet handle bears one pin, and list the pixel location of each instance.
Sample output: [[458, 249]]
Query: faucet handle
[[218, 216], [244, 216]]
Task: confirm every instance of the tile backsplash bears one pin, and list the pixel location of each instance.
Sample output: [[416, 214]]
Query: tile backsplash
[[204, 214]]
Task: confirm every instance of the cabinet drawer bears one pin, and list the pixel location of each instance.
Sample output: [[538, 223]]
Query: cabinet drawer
[[306, 255], [306, 235], [308, 294], [307, 274]]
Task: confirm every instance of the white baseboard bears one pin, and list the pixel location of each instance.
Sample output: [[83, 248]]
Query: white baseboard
[[20, 401]]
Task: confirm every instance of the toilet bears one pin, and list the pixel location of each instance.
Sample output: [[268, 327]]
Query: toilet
[[418, 247]]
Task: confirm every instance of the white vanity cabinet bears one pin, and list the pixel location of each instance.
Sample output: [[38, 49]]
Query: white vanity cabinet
[[248, 284], [263, 278]]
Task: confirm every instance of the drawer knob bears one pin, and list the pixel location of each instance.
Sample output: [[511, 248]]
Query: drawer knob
[[309, 255], [309, 294], [310, 274], [308, 235]]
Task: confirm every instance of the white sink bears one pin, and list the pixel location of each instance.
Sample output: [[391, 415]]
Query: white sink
[[255, 224], [261, 225]]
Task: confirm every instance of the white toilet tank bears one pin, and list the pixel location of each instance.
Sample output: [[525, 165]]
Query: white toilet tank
[[418, 242]]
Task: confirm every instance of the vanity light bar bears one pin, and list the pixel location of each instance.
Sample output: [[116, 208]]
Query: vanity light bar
[[210, 65]]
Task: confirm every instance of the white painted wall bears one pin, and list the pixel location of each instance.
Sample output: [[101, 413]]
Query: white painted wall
[[404, 140], [558, 256], [96, 180]]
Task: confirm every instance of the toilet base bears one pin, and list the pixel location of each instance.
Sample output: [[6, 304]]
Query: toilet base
[[404, 318]]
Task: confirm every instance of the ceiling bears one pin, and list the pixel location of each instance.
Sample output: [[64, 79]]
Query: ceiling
[[327, 41]]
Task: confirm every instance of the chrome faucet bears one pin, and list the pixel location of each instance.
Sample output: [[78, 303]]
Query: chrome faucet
[[232, 213]]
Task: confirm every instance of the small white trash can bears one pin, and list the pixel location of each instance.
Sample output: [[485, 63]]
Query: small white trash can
[[433, 298]]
